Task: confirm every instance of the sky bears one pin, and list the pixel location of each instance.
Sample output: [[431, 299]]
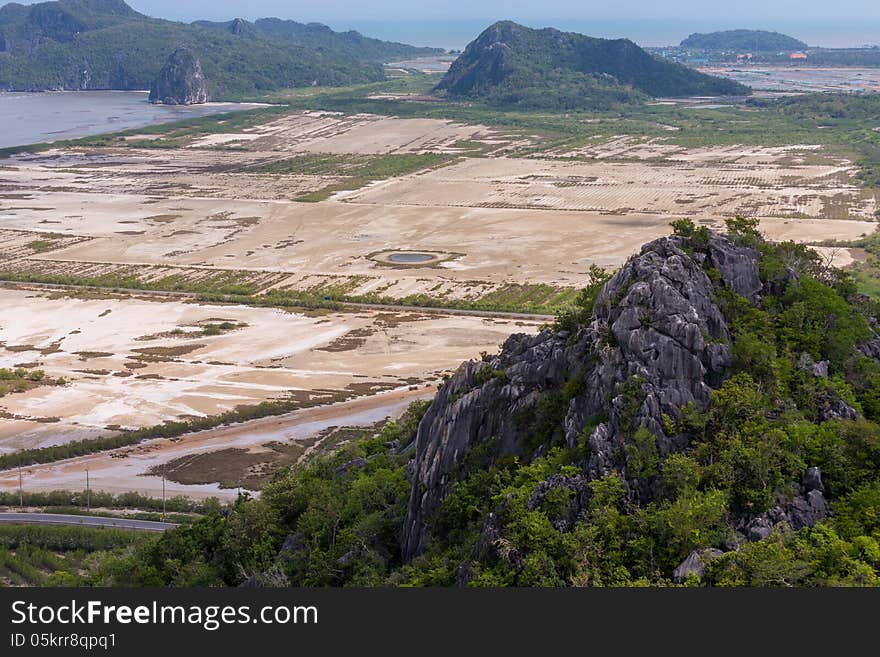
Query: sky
[[455, 22]]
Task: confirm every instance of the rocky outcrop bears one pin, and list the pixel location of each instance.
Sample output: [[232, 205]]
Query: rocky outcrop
[[695, 564], [804, 510], [239, 27], [657, 342], [180, 82]]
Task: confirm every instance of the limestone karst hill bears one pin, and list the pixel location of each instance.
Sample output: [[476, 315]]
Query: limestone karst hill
[[510, 64], [105, 44]]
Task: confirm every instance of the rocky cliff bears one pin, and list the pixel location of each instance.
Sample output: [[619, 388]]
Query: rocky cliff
[[657, 343], [180, 82]]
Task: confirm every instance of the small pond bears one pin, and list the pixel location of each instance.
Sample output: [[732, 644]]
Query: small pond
[[410, 258]]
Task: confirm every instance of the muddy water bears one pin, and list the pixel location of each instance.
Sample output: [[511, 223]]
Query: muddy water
[[31, 118]]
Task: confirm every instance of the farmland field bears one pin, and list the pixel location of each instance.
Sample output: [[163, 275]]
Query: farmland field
[[207, 269]]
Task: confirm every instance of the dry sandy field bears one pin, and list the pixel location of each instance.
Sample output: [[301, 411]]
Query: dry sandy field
[[210, 210], [135, 362], [497, 219], [250, 445]]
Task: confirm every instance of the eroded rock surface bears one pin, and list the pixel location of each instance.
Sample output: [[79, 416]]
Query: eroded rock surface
[[657, 342], [180, 82]]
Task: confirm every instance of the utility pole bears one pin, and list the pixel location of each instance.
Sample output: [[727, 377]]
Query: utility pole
[[88, 493], [20, 489], [163, 492]]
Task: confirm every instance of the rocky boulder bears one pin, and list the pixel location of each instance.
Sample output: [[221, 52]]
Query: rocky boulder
[[804, 510], [695, 564], [180, 82]]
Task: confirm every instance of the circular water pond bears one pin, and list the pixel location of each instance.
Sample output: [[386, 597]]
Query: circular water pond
[[404, 259], [411, 258]]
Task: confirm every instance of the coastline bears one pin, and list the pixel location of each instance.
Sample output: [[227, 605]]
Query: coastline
[[46, 117]]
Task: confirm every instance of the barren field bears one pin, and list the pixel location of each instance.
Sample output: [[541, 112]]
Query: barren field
[[425, 211], [132, 362], [138, 468], [329, 132], [708, 187]]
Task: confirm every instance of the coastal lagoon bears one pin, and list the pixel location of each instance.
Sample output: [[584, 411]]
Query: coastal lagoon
[[31, 118]]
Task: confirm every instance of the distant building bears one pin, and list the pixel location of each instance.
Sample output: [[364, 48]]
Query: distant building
[[798, 55]]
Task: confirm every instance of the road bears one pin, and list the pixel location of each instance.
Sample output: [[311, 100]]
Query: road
[[497, 314], [84, 521]]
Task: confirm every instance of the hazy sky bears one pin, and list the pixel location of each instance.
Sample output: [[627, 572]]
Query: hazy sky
[[744, 10], [650, 21]]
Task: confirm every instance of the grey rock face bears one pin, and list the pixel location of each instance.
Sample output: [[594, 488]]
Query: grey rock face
[[466, 413], [180, 82], [807, 510], [802, 511], [656, 343], [760, 528], [813, 480], [656, 325], [871, 348], [735, 264], [695, 564], [831, 407]]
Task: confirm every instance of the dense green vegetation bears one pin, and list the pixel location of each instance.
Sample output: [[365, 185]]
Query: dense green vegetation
[[743, 41], [32, 555], [839, 121], [515, 66], [336, 521], [44, 46], [343, 512], [62, 499], [354, 44], [867, 273]]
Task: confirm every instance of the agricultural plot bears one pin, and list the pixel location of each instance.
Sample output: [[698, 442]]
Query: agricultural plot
[[160, 173], [416, 212], [669, 188], [331, 132]]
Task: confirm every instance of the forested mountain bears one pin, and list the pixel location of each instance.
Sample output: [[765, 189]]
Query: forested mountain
[[743, 40], [509, 64], [105, 44], [316, 35], [708, 415]]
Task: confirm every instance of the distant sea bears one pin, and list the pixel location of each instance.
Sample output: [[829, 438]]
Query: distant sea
[[31, 118], [456, 34]]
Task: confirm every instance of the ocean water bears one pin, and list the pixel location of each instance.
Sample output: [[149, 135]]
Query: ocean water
[[456, 34], [31, 118]]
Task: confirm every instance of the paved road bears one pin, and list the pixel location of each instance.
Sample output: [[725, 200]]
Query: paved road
[[498, 314], [84, 521]]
